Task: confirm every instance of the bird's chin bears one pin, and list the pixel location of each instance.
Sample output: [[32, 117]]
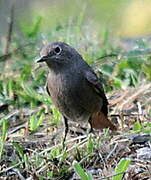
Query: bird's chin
[[56, 60]]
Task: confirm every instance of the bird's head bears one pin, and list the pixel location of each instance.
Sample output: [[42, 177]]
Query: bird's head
[[58, 54]]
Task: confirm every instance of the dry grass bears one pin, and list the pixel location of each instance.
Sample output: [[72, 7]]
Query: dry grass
[[44, 153]]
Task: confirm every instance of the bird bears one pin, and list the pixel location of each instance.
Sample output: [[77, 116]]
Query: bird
[[74, 87]]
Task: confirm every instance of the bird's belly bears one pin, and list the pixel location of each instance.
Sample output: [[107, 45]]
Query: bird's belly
[[75, 103], [82, 118], [71, 110]]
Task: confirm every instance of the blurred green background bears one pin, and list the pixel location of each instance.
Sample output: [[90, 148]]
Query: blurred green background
[[113, 36], [124, 18], [95, 28]]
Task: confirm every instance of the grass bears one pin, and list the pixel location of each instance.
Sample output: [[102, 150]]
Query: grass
[[31, 127]]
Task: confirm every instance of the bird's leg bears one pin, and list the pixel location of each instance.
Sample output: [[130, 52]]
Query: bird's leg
[[91, 129], [66, 130]]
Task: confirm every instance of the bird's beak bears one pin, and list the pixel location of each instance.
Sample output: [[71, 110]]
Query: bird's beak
[[42, 59]]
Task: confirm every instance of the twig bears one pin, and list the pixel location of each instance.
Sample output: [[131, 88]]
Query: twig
[[9, 168], [146, 52], [130, 99], [107, 55], [68, 141], [19, 174], [140, 112], [113, 175], [119, 115], [111, 152], [149, 172], [5, 56], [16, 129], [10, 29]]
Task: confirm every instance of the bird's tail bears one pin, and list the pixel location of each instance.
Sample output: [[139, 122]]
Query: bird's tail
[[99, 121]]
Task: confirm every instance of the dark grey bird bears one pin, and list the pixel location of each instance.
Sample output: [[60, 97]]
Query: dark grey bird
[[74, 87]]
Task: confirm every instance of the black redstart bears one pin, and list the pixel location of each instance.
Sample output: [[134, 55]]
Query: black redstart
[[74, 87]]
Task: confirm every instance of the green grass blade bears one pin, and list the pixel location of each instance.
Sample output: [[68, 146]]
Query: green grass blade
[[80, 171], [121, 167], [3, 136]]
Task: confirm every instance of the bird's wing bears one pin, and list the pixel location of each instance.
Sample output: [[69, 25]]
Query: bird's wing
[[99, 120], [96, 84]]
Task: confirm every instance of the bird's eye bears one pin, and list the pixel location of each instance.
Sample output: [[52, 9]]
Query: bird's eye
[[57, 50]]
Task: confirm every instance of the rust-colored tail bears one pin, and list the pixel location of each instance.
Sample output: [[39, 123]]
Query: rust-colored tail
[[99, 121]]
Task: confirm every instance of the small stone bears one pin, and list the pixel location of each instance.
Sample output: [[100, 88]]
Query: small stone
[[144, 153]]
